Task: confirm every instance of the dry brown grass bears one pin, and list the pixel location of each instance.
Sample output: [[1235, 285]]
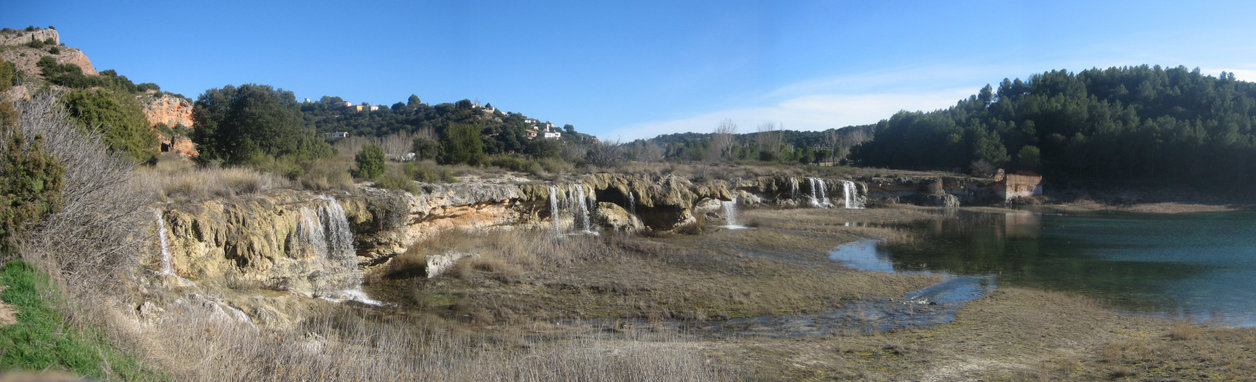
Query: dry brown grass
[[340, 344], [175, 178]]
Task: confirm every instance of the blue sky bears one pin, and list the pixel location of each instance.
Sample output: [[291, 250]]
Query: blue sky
[[623, 71]]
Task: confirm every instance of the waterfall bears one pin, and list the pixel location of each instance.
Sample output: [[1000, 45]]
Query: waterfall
[[326, 234], [553, 199], [818, 197], [581, 208], [793, 188], [578, 203], [167, 268], [730, 214], [632, 203], [851, 192]]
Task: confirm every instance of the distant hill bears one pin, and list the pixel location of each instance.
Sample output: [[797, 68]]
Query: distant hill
[[503, 132], [769, 144], [1127, 126]]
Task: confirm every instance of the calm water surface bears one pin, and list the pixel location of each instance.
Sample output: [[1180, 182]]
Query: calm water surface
[[1197, 266]]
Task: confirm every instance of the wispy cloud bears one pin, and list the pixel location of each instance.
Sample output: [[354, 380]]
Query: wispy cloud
[[807, 112], [839, 101], [1248, 75]]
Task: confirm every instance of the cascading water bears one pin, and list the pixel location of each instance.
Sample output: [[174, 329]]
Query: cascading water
[[580, 208], [818, 197], [730, 214], [578, 203], [167, 268], [793, 188], [326, 233], [553, 200], [632, 203], [850, 191]]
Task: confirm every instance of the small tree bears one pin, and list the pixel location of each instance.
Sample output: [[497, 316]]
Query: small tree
[[463, 145], [33, 178], [370, 162]]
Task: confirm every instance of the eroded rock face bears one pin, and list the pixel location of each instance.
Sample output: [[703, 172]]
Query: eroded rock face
[[25, 57], [264, 241], [20, 37], [167, 110], [280, 240], [173, 112]]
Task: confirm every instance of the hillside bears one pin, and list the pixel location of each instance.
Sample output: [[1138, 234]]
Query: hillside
[[1116, 127]]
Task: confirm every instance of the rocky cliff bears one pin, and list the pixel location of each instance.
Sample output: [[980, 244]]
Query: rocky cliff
[[19, 37], [314, 244], [25, 57], [172, 112]]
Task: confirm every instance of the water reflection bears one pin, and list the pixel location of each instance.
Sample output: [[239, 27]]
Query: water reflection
[[1199, 266]]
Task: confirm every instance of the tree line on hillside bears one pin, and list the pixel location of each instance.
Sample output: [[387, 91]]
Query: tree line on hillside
[[259, 125], [768, 144], [1128, 126], [501, 133]]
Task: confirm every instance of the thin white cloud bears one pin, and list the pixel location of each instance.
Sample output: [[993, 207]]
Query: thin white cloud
[[807, 112], [1248, 75]]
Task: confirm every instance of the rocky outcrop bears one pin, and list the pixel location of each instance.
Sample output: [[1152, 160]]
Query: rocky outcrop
[[20, 37], [77, 58], [165, 109], [175, 113], [385, 222], [25, 57], [947, 191], [280, 240]]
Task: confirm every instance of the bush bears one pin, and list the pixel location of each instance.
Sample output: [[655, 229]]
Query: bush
[[396, 179], [426, 149], [119, 118], [54, 50], [463, 145], [325, 175], [370, 162], [8, 75], [428, 172], [33, 179]]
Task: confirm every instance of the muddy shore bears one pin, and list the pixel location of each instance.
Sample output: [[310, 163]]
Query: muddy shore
[[669, 286]]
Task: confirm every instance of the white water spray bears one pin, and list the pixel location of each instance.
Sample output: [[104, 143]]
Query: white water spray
[[850, 191], [553, 200], [632, 203], [167, 268], [793, 188], [326, 233], [730, 214], [818, 197], [581, 208]]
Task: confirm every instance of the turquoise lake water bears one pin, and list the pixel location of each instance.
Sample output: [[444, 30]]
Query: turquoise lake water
[[1196, 266]]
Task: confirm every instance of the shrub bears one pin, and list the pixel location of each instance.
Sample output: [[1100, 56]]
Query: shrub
[[32, 186], [370, 162], [396, 179], [8, 75], [463, 145], [426, 149], [429, 172], [326, 175], [54, 50], [119, 118]]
